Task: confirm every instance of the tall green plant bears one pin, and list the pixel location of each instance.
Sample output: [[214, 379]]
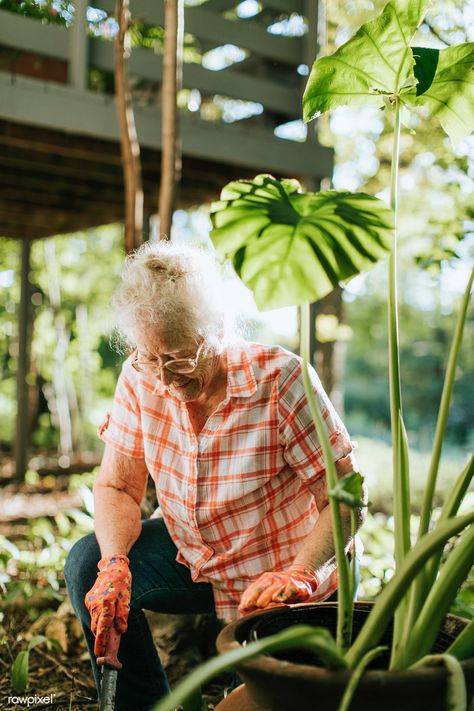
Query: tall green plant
[[291, 247]]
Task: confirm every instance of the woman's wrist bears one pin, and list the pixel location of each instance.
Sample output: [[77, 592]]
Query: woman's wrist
[[306, 572]]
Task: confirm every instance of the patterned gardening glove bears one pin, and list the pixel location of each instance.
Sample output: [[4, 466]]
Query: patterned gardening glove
[[296, 584], [108, 601]]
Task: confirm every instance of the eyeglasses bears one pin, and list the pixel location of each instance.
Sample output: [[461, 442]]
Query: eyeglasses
[[181, 366]]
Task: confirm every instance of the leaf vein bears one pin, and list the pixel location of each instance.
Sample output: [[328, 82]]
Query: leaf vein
[[377, 49]]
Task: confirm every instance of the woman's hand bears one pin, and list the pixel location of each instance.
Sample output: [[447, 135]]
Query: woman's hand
[[296, 584], [108, 601]]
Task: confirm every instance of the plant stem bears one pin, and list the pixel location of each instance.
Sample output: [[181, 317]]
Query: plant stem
[[345, 602], [353, 555], [401, 484]]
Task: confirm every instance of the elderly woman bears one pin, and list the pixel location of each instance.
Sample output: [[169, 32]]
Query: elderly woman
[[224, 429]]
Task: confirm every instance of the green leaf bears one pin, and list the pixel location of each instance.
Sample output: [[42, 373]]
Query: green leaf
[[35, 641], [426, 63], [450, 96], [20, 671], [349, 490], [21, 664], [377, 61], [291, 248]]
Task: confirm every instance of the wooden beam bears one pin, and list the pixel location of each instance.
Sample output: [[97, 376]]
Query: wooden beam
[[61, 168], [40, 216], [68, 200], [88, 114], [81, 153]]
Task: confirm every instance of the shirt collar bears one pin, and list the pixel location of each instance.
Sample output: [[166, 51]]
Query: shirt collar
[[241, 381]]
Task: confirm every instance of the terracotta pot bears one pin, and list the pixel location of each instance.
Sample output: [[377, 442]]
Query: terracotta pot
[[293, 681]]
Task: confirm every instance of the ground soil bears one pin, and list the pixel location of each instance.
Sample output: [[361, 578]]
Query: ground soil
[[183, 643]]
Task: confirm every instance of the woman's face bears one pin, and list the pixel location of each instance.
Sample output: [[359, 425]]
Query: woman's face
[[155, 351]]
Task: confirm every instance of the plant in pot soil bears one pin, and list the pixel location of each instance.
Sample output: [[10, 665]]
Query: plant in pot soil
[[292, 247]]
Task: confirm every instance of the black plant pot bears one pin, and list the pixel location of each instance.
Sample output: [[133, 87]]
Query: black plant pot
[[292, 681]]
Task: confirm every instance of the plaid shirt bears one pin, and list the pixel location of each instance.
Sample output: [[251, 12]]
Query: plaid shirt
[[234, 498]]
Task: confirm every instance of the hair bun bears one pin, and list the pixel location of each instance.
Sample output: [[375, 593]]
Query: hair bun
[[171, 271], [156, 264]]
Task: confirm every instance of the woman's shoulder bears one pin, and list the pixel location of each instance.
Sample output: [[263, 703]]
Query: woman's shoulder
[[271, 357]]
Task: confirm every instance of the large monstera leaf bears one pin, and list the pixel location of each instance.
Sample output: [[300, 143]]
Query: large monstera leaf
[[290, 247], [376, 62]]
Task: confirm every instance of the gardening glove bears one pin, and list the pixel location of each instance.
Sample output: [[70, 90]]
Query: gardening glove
[[296, 584], [108, 601]]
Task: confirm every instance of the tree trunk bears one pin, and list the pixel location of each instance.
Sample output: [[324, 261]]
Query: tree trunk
[[170, 144], [58, 400], [85, 376], [24, 346], [130, 148], [330, 354]]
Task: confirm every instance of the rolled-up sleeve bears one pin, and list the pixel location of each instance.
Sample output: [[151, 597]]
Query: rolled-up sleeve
[[122, 426], [298, 435]]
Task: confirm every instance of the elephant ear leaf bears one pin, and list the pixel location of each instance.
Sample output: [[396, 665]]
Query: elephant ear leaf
[[446, 87], [376, 62], [289, 247]]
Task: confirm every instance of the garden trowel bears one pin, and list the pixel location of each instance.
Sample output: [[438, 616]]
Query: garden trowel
[[110, 666]]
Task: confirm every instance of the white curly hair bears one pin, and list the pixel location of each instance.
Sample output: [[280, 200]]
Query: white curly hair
[[175, 287]]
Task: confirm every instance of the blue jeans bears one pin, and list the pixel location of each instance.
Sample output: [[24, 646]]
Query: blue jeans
[[160, 584]]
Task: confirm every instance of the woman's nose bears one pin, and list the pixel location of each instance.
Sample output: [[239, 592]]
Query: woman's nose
[[166, 376]]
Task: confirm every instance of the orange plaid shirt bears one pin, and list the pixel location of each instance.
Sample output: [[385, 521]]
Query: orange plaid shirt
[[235, 498]]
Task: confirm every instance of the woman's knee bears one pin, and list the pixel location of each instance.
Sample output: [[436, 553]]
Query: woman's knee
[[80, 570]]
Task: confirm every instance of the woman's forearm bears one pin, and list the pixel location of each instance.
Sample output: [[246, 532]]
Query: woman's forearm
[[117, 520], [318, 549]]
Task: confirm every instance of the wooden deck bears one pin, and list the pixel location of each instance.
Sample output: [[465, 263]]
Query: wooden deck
[[60, 165]]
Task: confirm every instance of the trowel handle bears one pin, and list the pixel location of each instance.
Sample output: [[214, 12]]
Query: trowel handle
[[110, 658]]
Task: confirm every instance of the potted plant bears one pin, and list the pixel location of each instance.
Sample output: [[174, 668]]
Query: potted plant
[[292, 247]]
